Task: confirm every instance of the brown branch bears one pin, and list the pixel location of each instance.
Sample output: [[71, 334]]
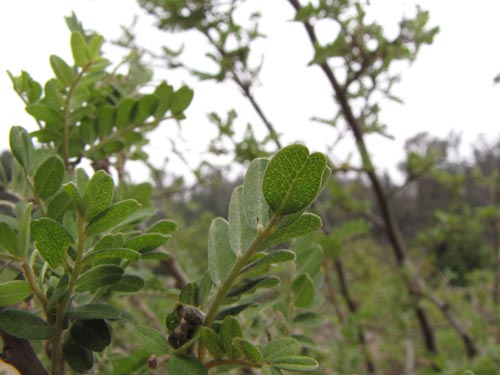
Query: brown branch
[[174, 270]]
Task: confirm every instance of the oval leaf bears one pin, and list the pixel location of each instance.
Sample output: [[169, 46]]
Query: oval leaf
[[256, 208], [241, 233], [306, 223], [112, 217], [8, 239], [49, 176], [293, 178], [128, 284], [281, 347], [51, 239], [62, 70], [212, 342], [98, 195], [24, 325], [98, 311], [278, 256], [296, 363], [220, 255], [229, 330], [147, 242], [118, 253], [98, 277], [79, 48], [13, 292], [303, 290], [78, 358], [184, 365], [181, 100], [152, 340], [250, 351], [92, 334], [21, 146]]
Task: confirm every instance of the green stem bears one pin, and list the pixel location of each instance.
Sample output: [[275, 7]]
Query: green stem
[[57, 360], [30, 277], [241, 262]]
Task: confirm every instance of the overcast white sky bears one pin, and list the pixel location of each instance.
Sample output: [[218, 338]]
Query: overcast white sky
[[449, 87]]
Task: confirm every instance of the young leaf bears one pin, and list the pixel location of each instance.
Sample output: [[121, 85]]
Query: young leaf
[[128, 284], [13, 292], [98, 277], [181, 100], [147, 242], [98, 195], [152, 340], [62, 70], [49, 176], [255, 205], [241, 233], [293, 178], [229, 330], [78, 358], [82, 179], [92, 334], [94, 47], [51, 239], [281, 347], [178, 365], [79, 49], [8, 239], [212, 342], [303, 290], [21, 146], [220, 256], [24, 325], [278, 256], [24, 232], [306, 223], [250, 351], [98, 311], [115, 253], [112, 216], [73, 194], [163, 227], [295, 363]]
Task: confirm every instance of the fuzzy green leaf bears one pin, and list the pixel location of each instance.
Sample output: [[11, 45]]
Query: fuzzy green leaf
[[178, 365], [98, 277], [152, 340], [303, 290], [190, 294], [45, 113], [94, 47], [49, 176], [79, 49], [21, 146], [295, 363], [220, 255], [113, 253], [8, 239], [62, 70], [281, 347], [147, 242], [212, 342], [163, 227], [92, 334], [252, 284], [293, 178], [165, 94], [250, 351], [146, 107], [51, 239], [256, 208], [112, 216], [124, 113], [78, 358], [269, 370], [98, 311], [128, 284], [241, 233], [306, 223], [229, 330], [24, 232], [98, 195], [233, 310], [278, 256], [25, 325], [181, 100], [13, 292]]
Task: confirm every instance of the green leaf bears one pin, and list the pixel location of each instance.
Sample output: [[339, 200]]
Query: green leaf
[[62, 70], [152, 340], [45, 113], [13, 292], [59, 291], [78, 358], [303, 290], [24, 325], [49, 176], [212, 342], [128, 284], [146, 107], [8, 239], [292, 179], [156, 255], [113, 253], [24, 231], [277, 256], [241, 233], [98, 311], [51, 239], [306, 223], [79, 49], [269, 370], [185, 365], [181, 100], [147, 242], [124, 112], [21, 146], [81, 179], [220, 255], [94, 47], [92, 334], [98, 195], [105, 120], [281, 347], [71, 191], [250, 351], [295, 363], [98, 277], [229, 330], [165, 94], [309, 259], [163, 227], [233, 310], [256, 208], [112, 216], [190, 294], [252, 284]]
